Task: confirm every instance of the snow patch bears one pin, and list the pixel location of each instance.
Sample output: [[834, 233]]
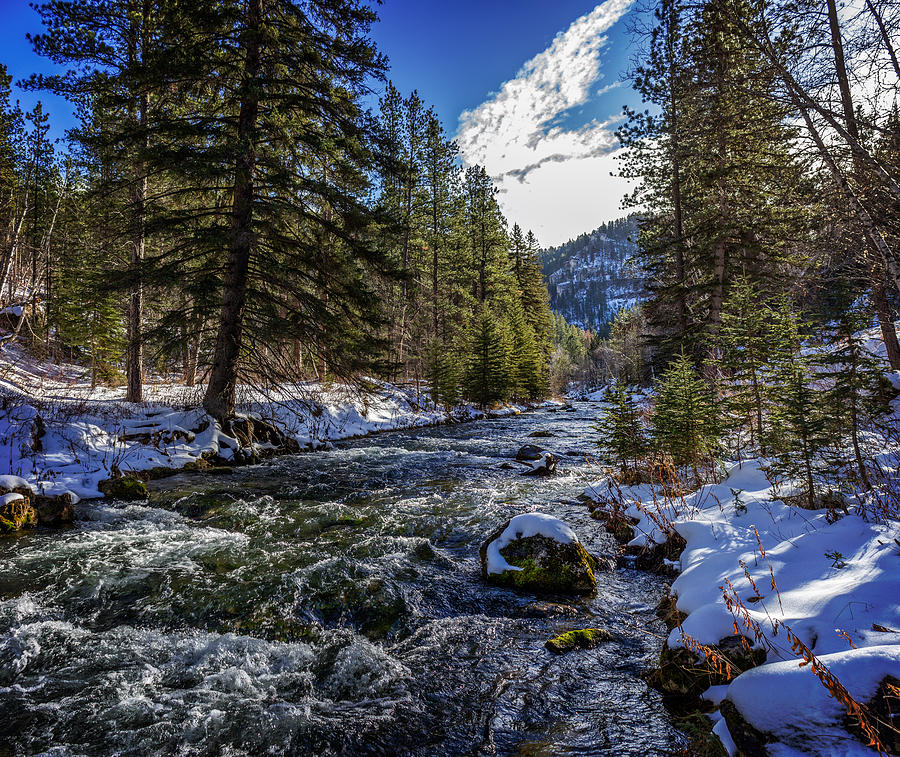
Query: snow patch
[[522, 527]]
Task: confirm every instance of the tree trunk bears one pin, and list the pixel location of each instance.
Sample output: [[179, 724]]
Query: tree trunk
[[676, 174], [885, 313], [134, 358], [854, 431], [879, 297], [885, 37], [220, 392], [12, 248]]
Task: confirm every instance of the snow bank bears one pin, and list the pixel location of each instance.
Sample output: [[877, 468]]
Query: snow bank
[[521, 527], [57, 434], [834, 584], [790, 703]]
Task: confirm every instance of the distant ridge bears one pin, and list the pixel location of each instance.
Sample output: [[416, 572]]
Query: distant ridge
[[590, 279]]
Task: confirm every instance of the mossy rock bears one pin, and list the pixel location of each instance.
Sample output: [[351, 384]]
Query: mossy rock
[[372, 608], [581, 638], [16, 514], [546, 565], [126, 488], [157, 472], [277, 628], [343, 522]]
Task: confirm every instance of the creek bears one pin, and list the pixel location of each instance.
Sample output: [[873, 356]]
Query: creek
[[327, 603]]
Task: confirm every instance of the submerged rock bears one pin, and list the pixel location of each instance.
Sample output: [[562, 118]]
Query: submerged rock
[[549, 610], [535, 552], [581, 638], [545, 465], [541, 434], [16, 513]]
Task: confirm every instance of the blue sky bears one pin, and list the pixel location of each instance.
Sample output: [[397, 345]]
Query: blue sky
[[530, 88]]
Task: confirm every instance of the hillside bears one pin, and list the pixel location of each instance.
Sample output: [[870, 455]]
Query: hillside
[[589, 278]]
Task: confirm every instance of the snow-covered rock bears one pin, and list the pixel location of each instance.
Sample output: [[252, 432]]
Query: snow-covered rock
[[545, 465], [536, 552]]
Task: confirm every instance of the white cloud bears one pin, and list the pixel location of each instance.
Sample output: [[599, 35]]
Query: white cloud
[[553, 180]]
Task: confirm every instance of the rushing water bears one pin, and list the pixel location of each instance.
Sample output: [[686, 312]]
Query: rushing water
[[326, 603]]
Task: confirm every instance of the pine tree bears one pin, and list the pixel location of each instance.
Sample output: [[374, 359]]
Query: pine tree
[[686, 422], [486, 377], [118, 68], [745, 349], [445, 374], [800, 435], [269, 224], [725, 197], [859, 388], [623, 441]]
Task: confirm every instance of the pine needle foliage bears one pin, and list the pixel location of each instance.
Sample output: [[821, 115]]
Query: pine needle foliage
[[686, 418], [623, 440]]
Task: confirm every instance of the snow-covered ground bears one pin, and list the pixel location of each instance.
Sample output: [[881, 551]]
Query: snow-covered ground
[[819, 590], [59, 434]]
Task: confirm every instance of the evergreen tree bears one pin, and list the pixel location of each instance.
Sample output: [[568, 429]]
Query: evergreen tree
[[745, 350], [725, 197], [486, 373], [800, 435], [686, 422], [859, 389], [623, 441], [445, 374], [268, 222]]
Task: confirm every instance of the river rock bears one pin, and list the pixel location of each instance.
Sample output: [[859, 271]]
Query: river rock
[[539, 553], [541, 434], [543, 609], [545, 465], [529, 452], [254, 431], [749, 741], [126, 488], [581, 638], [16, 513], [55, 509]]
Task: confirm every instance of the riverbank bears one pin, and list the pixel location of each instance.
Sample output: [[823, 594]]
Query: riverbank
[[61, 438], [784, 621]]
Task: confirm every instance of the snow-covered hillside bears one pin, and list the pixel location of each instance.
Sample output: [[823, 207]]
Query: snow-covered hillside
[[590, 278]]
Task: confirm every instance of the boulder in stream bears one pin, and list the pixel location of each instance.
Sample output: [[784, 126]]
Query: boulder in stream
[[545, 465], [539, 553], [127, 488], [55, 509], [529, 452]]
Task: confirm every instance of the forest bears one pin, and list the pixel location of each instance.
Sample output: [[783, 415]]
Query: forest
[[229, 209]]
